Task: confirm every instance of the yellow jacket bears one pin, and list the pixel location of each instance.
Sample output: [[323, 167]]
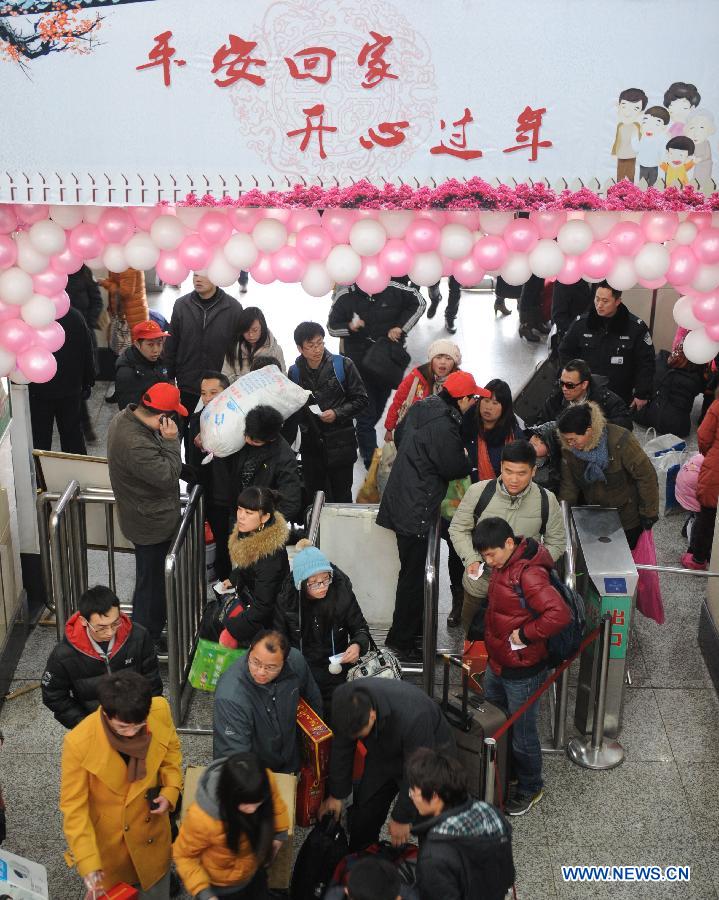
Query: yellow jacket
[[107, 821], [201, 854]]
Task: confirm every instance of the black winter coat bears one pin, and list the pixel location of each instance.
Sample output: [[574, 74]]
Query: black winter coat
[[669, 410], [397, 306], [407, 718], [274, 466], [200, 331], [134, 374], [74, 668], [338, 616], [430, 454], [335, 442], [75, 362], [619, 347], [85, 296], [614, 408], [569, 301]]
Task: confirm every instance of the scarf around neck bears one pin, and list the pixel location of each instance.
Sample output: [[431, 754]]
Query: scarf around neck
[[134, 747], [597, 460]]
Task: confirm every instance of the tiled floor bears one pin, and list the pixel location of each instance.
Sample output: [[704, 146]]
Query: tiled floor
[[658, 808]]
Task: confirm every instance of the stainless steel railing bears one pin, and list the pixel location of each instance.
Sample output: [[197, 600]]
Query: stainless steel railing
[[431, 604]]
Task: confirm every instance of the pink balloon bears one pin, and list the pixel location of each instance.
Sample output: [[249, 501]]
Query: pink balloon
[[29, 213], [313, 242], [338, 223], [8, 252], [144, 216], [683, 265], [423, 235], [598, 261], [548, 221], [700, 219], [467, 271], [706, 246], [49, 282], [521, 235], [626, 238], [373, 277], [712, 331], [194, 253], [116, 226], [244, 218], [705, 307], [438, 216], [571, 270], [652, 283], [8, 219], [395, 257], [490, 253], [66, 262], [214, 228], [16, 335], [51, 337], [62, 304], [262, 272], [304, 218], [170, 267], [37, 364], [85, 241], [282, 215], [467, 217], [447, 265], [287, 265], [660, 226], [7, 311]]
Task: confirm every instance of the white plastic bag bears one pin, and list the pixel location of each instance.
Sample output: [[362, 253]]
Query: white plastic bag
[[667, 466], [662, 444], [222, 421]]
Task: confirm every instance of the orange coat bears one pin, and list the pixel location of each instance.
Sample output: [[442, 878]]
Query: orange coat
[[128, 288], [201, 854], [708, 439], [107, 821]]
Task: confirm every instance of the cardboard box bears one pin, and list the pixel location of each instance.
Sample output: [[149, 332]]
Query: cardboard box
[[316, 740], [21, 878]]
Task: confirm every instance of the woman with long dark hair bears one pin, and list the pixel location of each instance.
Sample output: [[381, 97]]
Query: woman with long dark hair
[[232, 831], [487, 430], [251, 339]]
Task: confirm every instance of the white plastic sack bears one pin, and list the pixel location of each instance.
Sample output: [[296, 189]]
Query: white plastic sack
[[662, 444], [667, 466], [222, 422]]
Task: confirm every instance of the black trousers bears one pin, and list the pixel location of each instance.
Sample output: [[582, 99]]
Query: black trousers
[[335, 482], [455, 295], [377, 396], [255, 890], [327, 683], [149, 604], [67, 412], [409, 599], [700, 545], [367, 815], [219, 519], [189, 400], [455, 566]]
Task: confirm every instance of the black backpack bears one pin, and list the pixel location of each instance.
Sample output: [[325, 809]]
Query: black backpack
[[563, 645], [489, 491], [323, 849]]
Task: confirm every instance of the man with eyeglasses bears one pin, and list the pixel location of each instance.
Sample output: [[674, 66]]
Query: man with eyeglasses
[[99, 639], [256, 703], [576, 384]]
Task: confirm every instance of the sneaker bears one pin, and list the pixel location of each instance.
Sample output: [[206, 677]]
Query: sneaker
[[522, 803], [689, 562]]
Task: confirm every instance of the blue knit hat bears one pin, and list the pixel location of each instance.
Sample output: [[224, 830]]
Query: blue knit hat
[[309, 561]]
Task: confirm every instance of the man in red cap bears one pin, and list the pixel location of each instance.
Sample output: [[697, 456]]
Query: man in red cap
[[143, 453], [430, 454], [142, 364]]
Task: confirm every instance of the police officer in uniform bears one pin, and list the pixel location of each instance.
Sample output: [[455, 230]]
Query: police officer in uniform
[[614, 343]]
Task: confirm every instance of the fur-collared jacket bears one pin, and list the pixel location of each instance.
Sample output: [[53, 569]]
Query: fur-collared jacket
[[260, 565]]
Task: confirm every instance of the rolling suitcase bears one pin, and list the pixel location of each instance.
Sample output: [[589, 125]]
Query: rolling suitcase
[[471, 724]]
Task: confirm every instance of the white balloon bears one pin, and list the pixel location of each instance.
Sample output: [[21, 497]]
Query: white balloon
[[316, 282], [15, 286], [494, 222], [685, 233], [38, 311], [7, 362], [241, 251], [546, 259], [47, 237], [18, 378], [221, 272], [343, 264], [623, 275], [67, 216], [632, 217], [706, 279], [114, 258], [367, 237], [516, 269], [28, 258], [396, 221], [699, 348], [684, 315], [456, 241], [96, 264], [269, 235], [93, 214], [574, 237], [652, 261], [426, 268], [190, 215], [141, 252], [167, 232], [601, 221]]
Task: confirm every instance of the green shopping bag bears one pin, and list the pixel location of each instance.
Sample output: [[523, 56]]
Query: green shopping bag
[[455, 491], [210, 661]]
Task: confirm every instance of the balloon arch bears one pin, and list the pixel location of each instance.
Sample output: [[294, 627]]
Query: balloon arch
[[41, 245]]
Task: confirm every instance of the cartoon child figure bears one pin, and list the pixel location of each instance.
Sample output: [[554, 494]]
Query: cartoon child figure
[[678, 161], [700, 127], [680, 99], [652, 145], [632, 102]]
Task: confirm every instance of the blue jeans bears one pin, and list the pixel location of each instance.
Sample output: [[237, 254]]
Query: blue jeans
[[509, 694]]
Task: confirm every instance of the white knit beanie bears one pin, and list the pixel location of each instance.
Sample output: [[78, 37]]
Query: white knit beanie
[[449, 348]]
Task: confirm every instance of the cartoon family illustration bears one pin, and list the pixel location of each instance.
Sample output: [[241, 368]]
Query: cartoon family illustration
[[672, 138]]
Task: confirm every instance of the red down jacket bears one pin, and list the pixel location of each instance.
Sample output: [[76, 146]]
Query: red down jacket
[[545, 614]]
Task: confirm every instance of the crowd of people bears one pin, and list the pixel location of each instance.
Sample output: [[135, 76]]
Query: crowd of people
[[457, 448]]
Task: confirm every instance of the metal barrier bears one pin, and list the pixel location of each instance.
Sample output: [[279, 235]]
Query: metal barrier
[[313, 523], [431, 605]]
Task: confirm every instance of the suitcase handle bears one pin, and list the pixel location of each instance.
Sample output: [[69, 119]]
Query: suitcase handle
[[449, 660]]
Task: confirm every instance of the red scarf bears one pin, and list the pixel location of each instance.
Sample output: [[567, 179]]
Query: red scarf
[[485, 469]]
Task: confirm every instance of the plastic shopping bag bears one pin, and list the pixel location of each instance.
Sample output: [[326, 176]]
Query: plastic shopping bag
[[222, 421], [210, 661], [649, 595], [369, 492], [663, 444], [389, 454]]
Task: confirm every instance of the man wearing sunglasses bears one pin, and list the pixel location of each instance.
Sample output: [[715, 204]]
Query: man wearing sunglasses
[[576, 384]]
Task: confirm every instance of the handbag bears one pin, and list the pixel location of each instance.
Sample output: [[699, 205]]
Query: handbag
[[386, 362], [649, 595], [120, 335], [376, 664]]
